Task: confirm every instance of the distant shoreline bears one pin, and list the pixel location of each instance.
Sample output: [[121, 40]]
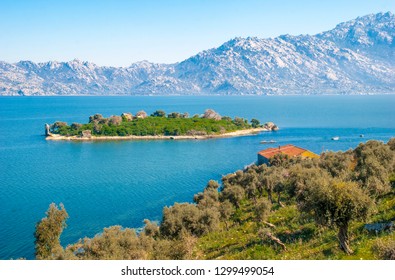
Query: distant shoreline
[[243, 132]]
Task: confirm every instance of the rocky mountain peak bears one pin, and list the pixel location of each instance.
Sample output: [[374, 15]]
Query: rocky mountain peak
[[365, 31], [357, 56]]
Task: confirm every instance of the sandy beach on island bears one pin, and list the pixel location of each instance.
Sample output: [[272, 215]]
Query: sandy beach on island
[[243, 132]]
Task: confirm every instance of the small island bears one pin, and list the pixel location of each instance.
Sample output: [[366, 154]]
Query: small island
[[158, 125]]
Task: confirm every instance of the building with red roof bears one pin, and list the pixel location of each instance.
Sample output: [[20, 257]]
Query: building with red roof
[[289, 150]]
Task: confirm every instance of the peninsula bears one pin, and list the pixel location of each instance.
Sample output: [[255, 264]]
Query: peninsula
[[158, 125]]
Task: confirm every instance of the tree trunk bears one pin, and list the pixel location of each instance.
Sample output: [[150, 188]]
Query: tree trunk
[[269, 195], [269, 224], [344, 239], [276, 240], [279, 199]]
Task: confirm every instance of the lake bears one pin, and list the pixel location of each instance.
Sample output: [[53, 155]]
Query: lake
[[122, 182]]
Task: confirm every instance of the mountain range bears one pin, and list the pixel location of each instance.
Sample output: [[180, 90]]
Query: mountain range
[[356, 57]]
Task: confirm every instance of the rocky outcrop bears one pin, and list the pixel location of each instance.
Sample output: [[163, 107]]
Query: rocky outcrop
[[269, 126], [379, 227], [47, 130], [127, 116], [141, 115], [211, 114], [86, 134], [115, 120]]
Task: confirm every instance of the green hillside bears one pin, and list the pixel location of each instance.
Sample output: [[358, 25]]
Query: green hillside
[[295, 209]]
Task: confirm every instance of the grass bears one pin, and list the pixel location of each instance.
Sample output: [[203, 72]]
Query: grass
[[302, 237]]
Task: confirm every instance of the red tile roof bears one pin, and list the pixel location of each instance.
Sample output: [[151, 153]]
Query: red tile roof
[[289, 150]]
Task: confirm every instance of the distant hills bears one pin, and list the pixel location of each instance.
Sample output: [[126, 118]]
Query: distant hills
[[356, 57]]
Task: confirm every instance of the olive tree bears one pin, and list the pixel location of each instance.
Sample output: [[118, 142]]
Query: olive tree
[[262, 210], [209, 198], [280, 181], [114, 243], [391, 144], [226, 210], [338, 164], [267, 182], [337, 204], [249, 181], [48, 231], [187, 217], [279, 160], [374, 163], [234, 193], [151, 228]]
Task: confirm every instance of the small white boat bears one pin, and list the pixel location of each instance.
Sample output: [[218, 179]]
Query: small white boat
[[335, 138], [267, 142], [362, 136]]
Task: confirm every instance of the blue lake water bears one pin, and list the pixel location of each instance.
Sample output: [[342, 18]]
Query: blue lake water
[[109, 183]]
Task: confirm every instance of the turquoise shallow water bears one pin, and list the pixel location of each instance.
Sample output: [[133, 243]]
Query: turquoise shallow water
[[107, 183]]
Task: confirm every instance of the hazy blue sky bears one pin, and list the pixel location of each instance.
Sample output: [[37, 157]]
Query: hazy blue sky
[[120, 32]]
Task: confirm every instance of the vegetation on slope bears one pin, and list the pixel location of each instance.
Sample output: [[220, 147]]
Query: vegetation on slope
[[158, 123], [294, 209]]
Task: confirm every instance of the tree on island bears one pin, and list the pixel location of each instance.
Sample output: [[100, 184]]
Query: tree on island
[[255, 123], [174, 115], [157, 124], [95, 118], [159, 113]]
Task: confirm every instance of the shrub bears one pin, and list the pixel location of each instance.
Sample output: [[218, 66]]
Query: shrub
[[262, 209], [57, 127], [76, 126], [114, 243], [187, 217], [48, 232], [95, 118], [234, 193], [385, 250], [255, 123], [115, 120], [174, 115], [159, 113]]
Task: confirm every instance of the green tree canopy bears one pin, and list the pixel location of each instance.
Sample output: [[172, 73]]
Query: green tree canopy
[[159, 113], [187, 217], [336, 203], [255, 123], [374, 164]]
